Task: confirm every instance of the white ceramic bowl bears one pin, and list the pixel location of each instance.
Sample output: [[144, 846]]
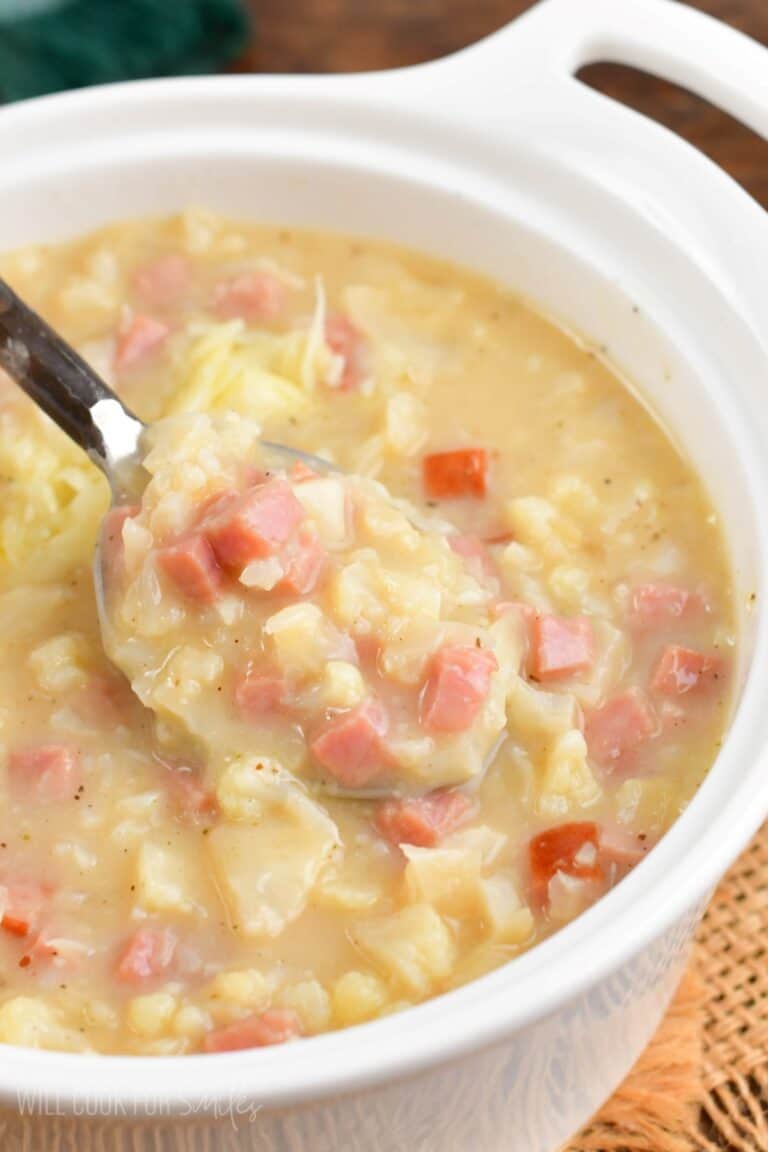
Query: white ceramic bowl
[[500, 159]]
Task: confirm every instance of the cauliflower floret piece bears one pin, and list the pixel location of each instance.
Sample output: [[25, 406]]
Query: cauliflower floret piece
[[568, 780], [29, 1022], [354, 593], [152, 1014], [162, 880], [311, 1003], [342, 685], [357, 996], [302, 639]]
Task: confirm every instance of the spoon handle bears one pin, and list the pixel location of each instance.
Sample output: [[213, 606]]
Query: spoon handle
[[65, 387]]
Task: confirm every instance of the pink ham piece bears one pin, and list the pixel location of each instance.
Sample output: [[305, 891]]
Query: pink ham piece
[[252, 295], [570, 848], [164, 280], [191, 567], [560, 647], [347, 341], [21, 903], [259, 695], [275, 1026], [657, 605], [255, 525], [146, 956], [422, 820], [49, 772], [615, 732], [457, 686], [681, 670], [139, 338], [351, 747]]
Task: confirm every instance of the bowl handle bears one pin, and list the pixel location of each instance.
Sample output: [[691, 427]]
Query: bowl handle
[[522, 81], [663, 37]]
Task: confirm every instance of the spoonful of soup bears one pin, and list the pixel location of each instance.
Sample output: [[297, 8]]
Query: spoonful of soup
[[261, 604]]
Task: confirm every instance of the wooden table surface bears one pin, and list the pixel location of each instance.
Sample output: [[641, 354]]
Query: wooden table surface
[[355, 35]]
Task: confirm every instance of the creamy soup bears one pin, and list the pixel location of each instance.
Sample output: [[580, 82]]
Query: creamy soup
[[369, 729]]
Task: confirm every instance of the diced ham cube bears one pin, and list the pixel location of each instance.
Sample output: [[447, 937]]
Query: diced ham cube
[[191, 566], [21, 903], [164, 280], [50, 772], [275, 1026], [422, 820], [304, 560], [457, 686], [258, 524], [148, 955], [253, 295], [656, 605], [259, 695], [569, 848], [346, 340], [560, 647], [138, 339], [682, 670], [453, 475], [351, 747], [616, 731]]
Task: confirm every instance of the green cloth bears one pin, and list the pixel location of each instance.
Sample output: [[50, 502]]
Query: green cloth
[[75, 43]]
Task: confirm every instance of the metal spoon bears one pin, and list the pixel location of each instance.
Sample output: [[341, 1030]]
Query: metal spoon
[[68, 390], [75, 397]]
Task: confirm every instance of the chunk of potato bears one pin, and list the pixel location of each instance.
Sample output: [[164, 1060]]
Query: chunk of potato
[[448, 878], [325, 503], [505, 917], [162, 879], [265, 871], [302, 639], [414, 947]]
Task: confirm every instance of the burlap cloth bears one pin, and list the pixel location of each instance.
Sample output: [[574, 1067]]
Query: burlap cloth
[[702, 1085]]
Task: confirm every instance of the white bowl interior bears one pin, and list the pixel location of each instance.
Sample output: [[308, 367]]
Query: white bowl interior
[[554, 236]]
